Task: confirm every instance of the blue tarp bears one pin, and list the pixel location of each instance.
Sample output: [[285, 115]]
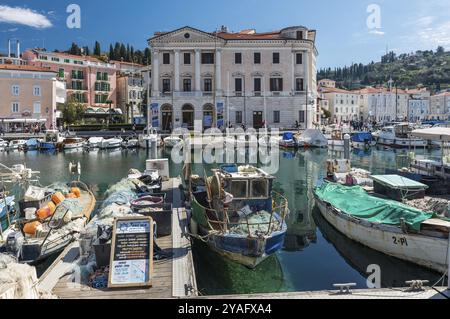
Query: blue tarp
[[362, 137], [288, 136]]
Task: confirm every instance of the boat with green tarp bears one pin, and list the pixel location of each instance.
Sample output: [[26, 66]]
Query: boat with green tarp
[[385, 225]]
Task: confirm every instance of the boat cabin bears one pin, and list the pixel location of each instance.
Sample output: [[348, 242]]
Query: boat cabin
[[53, 136]]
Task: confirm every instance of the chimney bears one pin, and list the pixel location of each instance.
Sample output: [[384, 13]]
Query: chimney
[[18, 49], [9, 48]]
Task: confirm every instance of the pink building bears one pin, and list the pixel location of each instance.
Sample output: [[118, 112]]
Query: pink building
[[89, 80]]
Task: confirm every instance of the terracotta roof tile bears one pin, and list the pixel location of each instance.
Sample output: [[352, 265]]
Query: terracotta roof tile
[[30, 68]]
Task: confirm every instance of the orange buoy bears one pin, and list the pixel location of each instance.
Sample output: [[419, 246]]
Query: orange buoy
[[31, 228], [76, 191], [58, 198], [44, 213]]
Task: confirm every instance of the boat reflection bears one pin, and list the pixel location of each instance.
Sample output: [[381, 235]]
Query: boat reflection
[[227, 277], [394, 272]]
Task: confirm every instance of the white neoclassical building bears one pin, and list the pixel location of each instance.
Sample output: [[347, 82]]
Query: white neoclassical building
[[236, 78]]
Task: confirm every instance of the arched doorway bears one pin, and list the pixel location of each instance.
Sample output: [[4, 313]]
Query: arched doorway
[[188, 116], [167, 118], [208, 116]]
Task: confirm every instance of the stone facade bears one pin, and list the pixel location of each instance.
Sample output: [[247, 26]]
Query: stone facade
[[240, 78], [440, 107]]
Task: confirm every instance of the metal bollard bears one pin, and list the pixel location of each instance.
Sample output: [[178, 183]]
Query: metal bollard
[[347, 146]]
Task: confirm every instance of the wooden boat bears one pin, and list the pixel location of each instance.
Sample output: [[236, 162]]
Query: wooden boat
[[53, 232], [387, 226], [336, 139], [73, 143], [236, 213]]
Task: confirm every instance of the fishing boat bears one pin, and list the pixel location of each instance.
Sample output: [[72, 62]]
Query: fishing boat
[[52, 140], [17, 144], [7, 210], [73, 143], [288, 140], [387, 226], [399, 136], [94, 142], [149, 136], [236, 213], [336, 139], [110, 143], [172, 141], [48, 222], [130, 143], [313, 138], [363, 140]]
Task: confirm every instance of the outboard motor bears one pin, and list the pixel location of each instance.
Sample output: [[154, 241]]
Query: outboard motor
[[14, 243]]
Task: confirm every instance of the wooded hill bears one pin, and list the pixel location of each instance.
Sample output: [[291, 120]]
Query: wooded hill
[[429, 69]]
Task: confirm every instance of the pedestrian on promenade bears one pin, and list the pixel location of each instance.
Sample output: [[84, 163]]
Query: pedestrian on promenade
[[2, 132]]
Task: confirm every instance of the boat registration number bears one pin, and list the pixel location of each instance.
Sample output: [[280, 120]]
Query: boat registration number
[[400, 241]]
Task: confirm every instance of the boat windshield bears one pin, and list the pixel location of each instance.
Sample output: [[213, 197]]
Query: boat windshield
[[260, 189], [238, 189]]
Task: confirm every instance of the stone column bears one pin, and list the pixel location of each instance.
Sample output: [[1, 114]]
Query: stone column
[[177, 71], [198, 86], [155, 73], [218, 71]]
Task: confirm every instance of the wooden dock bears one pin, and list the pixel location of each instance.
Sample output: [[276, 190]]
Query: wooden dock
[[394, 293], [172, 278]]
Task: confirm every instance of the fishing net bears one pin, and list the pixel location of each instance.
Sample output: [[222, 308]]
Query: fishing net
[[258, 224], [17, 281]]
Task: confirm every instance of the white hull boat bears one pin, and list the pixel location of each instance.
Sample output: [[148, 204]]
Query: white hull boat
[[132, 143], [94, 142], [17, 144], [399, 136], [427, 247], [111, 143], [172, 141], [149, 137]]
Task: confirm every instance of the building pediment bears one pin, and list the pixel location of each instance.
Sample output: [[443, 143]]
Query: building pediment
[[185, 35]]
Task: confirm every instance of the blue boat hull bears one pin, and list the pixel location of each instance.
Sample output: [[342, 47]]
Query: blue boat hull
[[47, 146], [249, 252]]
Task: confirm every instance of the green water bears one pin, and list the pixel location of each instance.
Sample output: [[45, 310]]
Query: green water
[[314, 257]]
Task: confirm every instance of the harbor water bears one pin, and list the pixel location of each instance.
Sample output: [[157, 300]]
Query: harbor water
[[315, 255]]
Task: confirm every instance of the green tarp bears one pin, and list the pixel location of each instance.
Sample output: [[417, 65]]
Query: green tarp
[[356, 202]]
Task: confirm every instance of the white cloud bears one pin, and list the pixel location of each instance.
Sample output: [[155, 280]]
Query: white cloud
[[10, 30], [25, 16], [436, 35]]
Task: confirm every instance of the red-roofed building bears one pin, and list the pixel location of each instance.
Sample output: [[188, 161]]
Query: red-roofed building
[[235, 78], [89, 80]]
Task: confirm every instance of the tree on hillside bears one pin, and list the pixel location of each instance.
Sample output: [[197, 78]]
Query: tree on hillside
[[74, 49], [111, 52]]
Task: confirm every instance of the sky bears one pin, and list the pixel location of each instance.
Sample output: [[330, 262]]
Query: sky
[[348, 31]]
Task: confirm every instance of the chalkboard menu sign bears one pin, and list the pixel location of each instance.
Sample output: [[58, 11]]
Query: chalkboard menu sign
[[131, 263]]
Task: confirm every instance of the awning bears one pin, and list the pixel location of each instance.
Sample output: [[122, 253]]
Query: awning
[[433, 134], [25, 121]]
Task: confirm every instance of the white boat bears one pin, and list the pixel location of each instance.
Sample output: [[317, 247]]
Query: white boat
[[94, 142], [17, 144], [73, 143], [149, 136], [131, 143], [423, 241], [172, 141], [3, 143], [313, 138], [111, 143], [400, 136], [336, 139]]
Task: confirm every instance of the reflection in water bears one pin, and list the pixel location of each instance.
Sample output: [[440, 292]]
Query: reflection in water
[[217, 275], [309, 260]]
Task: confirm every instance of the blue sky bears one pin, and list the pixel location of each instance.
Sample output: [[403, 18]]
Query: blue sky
[[343, 36]]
